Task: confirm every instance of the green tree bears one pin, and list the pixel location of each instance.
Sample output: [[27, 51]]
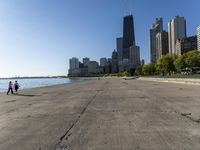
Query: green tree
[[179, 63], [126, 74], [192, 59], [188, 60], [148, 69], [138, 70], [165, 64]]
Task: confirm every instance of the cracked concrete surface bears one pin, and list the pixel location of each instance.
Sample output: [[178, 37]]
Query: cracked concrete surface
[[106, 114]]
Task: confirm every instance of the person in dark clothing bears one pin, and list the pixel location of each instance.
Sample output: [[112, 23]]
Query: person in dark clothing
[[10, 87], [16, 85]]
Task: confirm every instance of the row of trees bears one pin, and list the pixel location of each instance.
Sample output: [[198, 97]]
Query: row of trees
[[169, 64]]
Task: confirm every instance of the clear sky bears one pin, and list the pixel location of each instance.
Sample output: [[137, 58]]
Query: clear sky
[[37, 37]]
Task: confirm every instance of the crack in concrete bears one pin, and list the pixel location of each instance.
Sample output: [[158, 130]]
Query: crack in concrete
[[58, 145], [186, 115], [189, 116]]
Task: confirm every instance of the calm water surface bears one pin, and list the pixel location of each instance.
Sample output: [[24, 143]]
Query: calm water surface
[[39, 82]]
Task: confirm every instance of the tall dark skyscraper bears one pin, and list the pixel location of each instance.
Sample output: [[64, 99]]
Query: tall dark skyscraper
[[128, 36]]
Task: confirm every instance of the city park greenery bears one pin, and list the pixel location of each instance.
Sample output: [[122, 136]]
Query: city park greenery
[[171, 64]]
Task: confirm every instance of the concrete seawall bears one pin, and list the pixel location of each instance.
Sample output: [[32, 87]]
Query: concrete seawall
[[105, 114]]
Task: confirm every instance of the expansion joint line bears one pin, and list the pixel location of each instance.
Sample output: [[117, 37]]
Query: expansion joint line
[[58, 145]]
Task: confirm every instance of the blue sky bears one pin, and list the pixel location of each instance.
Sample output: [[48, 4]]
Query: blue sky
[[37, 37]]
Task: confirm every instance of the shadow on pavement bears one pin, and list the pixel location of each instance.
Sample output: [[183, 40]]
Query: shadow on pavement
[[29, 95]]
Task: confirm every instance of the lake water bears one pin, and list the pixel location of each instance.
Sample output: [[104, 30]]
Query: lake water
[[39, 82]]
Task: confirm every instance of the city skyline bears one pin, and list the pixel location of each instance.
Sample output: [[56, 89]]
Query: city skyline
[[38, 38], [125, 57]]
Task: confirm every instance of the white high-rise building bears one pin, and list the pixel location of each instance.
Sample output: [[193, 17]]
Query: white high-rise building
[[74, 63], [176, 30], [198, 38]]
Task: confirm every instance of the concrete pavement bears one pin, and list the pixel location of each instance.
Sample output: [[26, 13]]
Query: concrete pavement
[[106, 114]]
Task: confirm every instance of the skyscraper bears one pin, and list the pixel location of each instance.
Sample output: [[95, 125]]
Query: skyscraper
[[114, 62], [74, 63], [119, 42], [128, 36], [176, 30], [135, 56], [86, 61], [128, 52], [156, 27], [198, 37], [161, 44]]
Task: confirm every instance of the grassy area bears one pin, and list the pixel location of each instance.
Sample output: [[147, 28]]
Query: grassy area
[[175, 76], [184, 76]]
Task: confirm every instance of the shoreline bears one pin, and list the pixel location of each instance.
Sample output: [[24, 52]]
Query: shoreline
[[71, 81]]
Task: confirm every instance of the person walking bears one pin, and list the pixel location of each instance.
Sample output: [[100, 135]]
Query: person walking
[[16, 86], [10, 87]]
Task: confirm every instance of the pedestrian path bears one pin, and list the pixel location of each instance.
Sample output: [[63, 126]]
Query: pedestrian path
[[172, 80]]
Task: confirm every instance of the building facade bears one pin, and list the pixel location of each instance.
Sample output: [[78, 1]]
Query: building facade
[[142, 62], [86, 61], [161, 44], [92, 67], [119, 46], [135, 56], [176, 30], [108, 66], [128, 36], [73, 66], [103, 61], [156, 27], [186, 44], [198, 37], [74, 63], [114, 62]]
